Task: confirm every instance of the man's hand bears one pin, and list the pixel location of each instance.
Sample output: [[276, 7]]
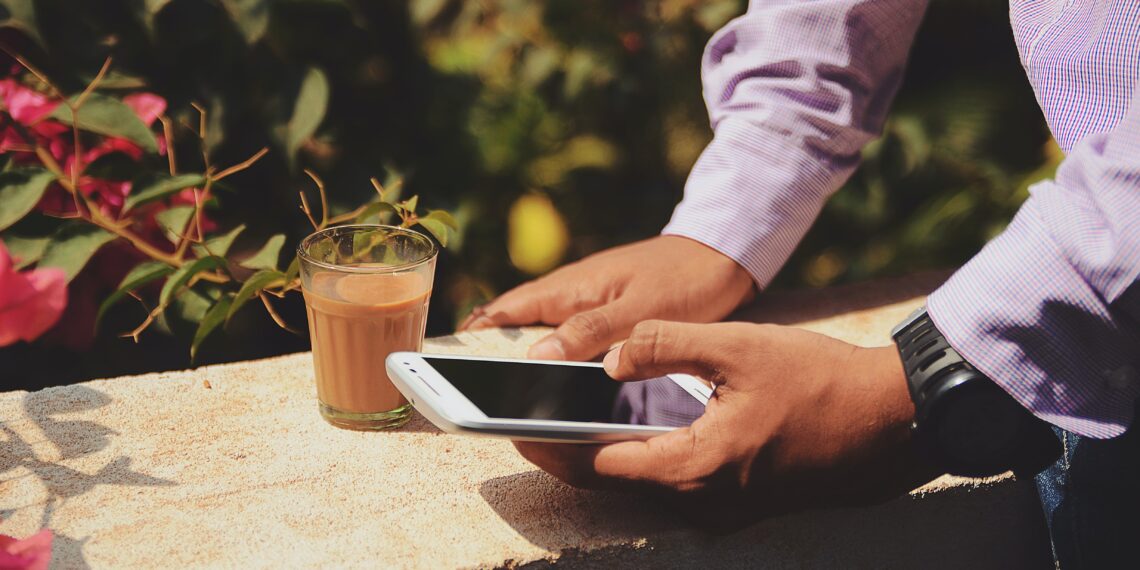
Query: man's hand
[[597, 300], [797, 420]]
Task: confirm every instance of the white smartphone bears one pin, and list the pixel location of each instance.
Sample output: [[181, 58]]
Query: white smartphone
[[543, 400]]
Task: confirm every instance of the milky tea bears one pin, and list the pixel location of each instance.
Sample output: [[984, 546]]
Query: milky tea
[[366, 295]]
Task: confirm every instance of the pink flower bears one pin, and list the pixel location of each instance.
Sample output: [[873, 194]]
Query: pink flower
[[26, 105], [32, 553], [147, 106], [30, 301]]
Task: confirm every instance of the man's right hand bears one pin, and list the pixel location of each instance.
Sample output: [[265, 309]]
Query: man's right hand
[[598, 300]]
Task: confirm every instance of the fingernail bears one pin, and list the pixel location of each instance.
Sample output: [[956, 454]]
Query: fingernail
[[610, 362], [480, 323], [549, 348]]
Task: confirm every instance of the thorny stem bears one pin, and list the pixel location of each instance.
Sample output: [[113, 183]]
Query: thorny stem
[[324, 198], [194, 220], [242, 165], [168, 135], [94, 83], [204, 196], [70, 182], [347, 216], [274, 315], [32, 69], [308, 211]]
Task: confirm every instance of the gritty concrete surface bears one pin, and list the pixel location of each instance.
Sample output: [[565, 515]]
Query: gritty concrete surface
[[231, 466]]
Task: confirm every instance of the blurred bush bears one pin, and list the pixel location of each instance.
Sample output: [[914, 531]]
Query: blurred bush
[[554, 129]]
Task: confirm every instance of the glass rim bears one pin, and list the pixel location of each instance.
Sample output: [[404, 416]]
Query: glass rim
[[430, 254]]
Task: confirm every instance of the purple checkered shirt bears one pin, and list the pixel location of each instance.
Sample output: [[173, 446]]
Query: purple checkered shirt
[[1050, 308]]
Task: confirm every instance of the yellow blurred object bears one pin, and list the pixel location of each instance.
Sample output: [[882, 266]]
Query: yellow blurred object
[[537, 236]]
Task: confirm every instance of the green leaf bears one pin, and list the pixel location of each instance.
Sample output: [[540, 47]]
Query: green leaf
[[254, 285], [25, 250], [148, 11], [21, 15], [308, 111], [392, 185], [153, 188], [174, 220], [215, 123], [250, 16], [266, 257], [294, 269], [184, 274], [20, 191], [191, 305], [411, 204], [219, 245], [210, 321], [439, 229], [443, 216], [440, 224], [72, 247], [375, 209], [142, 274], [109, 117]]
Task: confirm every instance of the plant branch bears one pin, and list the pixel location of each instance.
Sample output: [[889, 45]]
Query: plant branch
[[168, 135], [150, 317], [324, 198], [308, 211], [347, 216], [184, 238], [242, 165], [94, 84], [202, 133], [34, 71], [274, 315]]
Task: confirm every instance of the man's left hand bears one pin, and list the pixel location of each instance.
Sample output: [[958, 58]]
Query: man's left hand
[[797, 420]]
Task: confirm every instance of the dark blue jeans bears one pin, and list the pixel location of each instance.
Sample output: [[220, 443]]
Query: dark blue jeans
[[1091, 498]]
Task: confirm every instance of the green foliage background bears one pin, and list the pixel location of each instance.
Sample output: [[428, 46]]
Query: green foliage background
[[595, 103]]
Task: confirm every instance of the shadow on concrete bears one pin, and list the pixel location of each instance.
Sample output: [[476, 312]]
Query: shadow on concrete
[[418, 424], [72, 439], [553, 515], [999, 526]]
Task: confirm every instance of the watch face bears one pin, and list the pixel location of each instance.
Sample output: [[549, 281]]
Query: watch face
[[977, 426]]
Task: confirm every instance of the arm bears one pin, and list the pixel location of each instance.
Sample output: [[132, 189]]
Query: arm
[[1050, 309], [794, 91]]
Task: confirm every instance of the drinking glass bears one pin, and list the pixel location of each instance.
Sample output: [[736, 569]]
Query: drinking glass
[[366, 291]]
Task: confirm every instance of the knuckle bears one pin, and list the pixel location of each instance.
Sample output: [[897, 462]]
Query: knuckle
[[648, 340], [590, 325]]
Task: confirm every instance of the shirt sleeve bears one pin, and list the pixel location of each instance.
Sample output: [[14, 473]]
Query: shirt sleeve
[[794, 91], [1050, 309]]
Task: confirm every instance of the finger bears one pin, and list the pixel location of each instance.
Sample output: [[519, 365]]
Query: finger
[[571, 463], [527, 304], [587, 334], [661, 462], [474, 315], [654, 460], [656, 348]]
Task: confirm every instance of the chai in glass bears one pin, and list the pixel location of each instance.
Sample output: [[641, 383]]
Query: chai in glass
[[366, 293]]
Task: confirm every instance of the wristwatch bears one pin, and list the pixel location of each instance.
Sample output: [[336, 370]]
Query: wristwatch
[[964, 422]]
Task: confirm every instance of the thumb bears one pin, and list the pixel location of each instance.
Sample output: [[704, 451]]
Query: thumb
[[656, 348], [586, 334]]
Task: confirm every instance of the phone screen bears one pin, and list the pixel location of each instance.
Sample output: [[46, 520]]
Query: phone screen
[[522, 390]]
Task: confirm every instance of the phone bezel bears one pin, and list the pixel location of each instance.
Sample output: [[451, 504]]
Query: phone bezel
[[445, 406]]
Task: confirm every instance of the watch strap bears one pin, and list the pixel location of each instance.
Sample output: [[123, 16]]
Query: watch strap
[[934, 371]]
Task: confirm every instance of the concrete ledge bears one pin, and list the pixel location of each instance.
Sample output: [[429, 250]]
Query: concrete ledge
[[230, 466]]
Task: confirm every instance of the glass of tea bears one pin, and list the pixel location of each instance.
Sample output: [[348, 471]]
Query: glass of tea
[[366, 293]]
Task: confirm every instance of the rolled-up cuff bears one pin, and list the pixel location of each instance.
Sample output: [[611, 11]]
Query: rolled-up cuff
[[1021, 314], [752, 195]]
